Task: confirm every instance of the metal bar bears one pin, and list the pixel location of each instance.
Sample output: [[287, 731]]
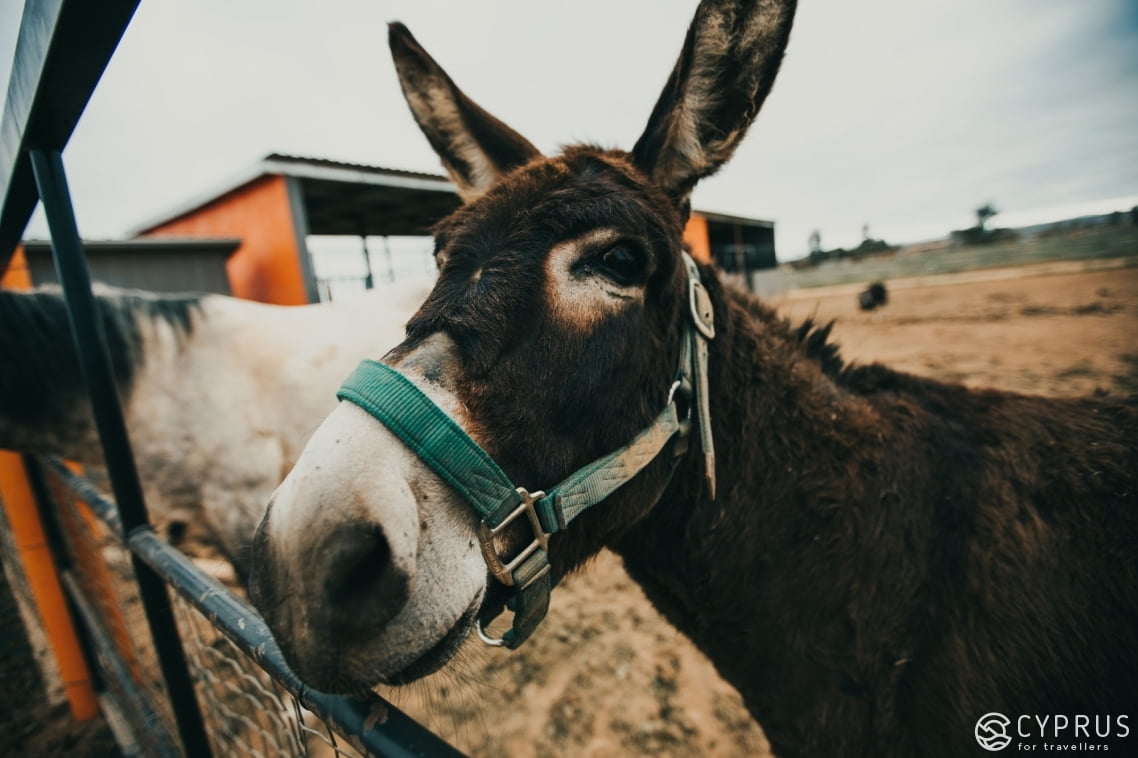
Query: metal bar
[[390, 261], [90, 344], [371, 724], [46, 506], [369, 279], [61, 52], [59, 550], [77, 521], [107, 512], [114, 670], [298, 210]]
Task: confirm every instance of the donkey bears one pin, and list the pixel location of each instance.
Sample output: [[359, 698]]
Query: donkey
[[874, 560], [219, 394]]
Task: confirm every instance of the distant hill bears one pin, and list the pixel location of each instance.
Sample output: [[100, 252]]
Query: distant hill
[[1117, 218], [1062, 240]]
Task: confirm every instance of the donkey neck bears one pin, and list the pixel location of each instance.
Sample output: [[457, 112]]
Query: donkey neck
[[782, 428]]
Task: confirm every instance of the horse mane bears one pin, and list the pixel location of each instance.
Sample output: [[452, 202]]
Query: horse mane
[[41, 367]]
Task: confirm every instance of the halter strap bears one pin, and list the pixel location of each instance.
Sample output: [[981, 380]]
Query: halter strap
[[433, 436], [410, 415]]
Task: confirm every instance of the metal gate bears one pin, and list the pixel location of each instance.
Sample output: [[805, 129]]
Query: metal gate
[[183, 665]]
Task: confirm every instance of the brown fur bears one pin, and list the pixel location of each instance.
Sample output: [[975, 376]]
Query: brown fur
[[889, 558]]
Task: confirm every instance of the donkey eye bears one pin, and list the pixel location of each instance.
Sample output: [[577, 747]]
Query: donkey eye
[[623, 263]]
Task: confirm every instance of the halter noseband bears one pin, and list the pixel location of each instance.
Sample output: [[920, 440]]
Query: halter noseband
[[402, 407]]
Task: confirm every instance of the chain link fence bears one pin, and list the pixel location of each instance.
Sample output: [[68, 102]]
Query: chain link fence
[[250, 704]]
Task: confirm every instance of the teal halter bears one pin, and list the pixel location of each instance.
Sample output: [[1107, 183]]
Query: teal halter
[[432, 435]]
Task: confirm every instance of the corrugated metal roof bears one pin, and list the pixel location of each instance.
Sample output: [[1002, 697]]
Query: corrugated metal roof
[[281, 158], [726, 218], [146, 244]]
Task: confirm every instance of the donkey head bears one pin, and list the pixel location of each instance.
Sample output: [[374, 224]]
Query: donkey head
[[551, 338]]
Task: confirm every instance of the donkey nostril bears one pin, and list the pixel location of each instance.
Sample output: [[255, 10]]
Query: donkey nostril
[[359, 559], [363, 585]]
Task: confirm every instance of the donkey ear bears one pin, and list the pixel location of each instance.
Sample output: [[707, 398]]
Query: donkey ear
[[475, 148], [727, 66]]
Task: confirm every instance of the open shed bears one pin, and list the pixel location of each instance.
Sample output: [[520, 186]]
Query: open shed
[[735, 243], [276, 204]]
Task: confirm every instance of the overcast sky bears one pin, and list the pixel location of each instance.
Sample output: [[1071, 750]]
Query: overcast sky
[[902, 114]]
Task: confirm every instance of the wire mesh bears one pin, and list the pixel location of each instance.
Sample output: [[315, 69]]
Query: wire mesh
[[247, 712], [85, 538], [102, 571]]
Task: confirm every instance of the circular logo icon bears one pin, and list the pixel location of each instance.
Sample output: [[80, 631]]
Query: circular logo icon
[[992, 731]]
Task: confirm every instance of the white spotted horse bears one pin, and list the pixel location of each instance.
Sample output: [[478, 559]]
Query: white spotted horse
[[219, 394]]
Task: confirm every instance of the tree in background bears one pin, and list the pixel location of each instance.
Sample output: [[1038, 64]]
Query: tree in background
[[979, 235], [983, 213], [815, 242]]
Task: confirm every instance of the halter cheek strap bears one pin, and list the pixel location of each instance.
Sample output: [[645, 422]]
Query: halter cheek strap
[[402, 407]]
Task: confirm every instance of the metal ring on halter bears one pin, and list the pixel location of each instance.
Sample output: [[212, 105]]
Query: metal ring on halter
[[482, 635]]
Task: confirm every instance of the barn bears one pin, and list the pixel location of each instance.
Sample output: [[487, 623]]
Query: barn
[[274, 207]]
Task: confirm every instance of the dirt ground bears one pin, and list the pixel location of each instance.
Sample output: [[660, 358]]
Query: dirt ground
[[606, 675], [1028, 329]]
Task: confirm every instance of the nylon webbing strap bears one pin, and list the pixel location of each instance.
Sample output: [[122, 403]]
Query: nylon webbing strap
[[703, 319], [531, 601], [593, 483], [412, 417]]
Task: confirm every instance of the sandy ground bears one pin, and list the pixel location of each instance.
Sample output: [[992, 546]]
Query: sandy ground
[[1058, 334], [606, 675]]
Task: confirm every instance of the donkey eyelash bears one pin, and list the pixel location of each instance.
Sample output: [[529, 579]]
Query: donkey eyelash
[[624, 262]]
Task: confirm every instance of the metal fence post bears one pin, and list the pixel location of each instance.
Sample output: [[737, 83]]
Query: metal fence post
[[90, 344]]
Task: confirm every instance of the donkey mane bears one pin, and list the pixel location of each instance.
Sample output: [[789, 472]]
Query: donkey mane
[[815, 341], [814, 338], [41, 366], [811, 336]]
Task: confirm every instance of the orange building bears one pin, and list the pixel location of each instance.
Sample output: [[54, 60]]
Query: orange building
[[273, 208], [276, 205]]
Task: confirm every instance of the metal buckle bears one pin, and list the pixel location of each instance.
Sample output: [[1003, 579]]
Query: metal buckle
[[699, 301], [486, 638], [503, 570]]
